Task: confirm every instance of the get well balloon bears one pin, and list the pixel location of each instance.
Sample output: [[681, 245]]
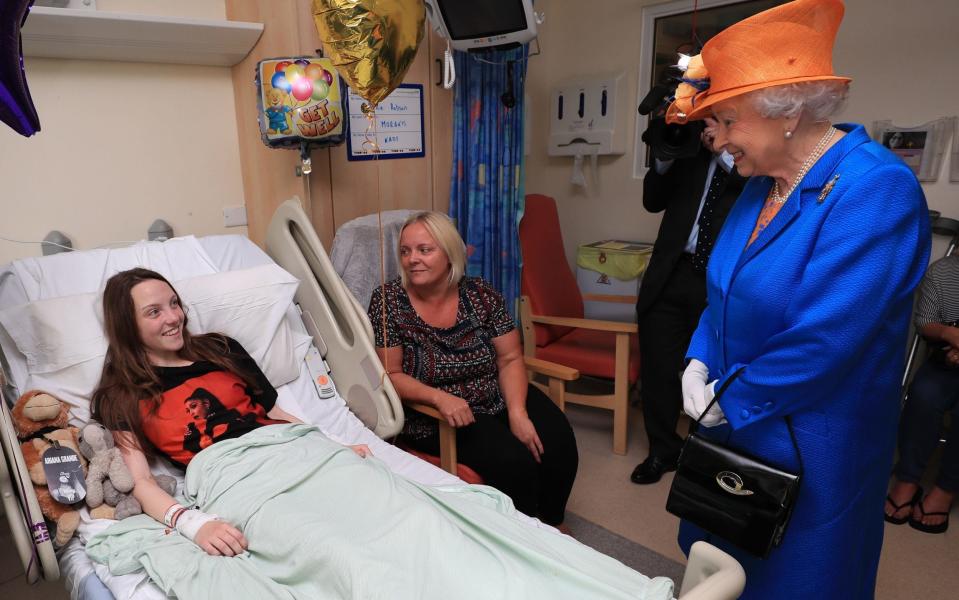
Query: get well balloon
[[371, 42], [16, 105], [297, 108]]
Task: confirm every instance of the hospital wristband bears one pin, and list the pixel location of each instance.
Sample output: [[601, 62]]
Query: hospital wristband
[[169, 517], [191, 520], [176, 517]]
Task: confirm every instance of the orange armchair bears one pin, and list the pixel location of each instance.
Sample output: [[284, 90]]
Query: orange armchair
[[551, 312]]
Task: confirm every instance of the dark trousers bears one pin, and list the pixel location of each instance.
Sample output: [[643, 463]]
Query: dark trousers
[[664, 333], [490, 448], [934, 391]]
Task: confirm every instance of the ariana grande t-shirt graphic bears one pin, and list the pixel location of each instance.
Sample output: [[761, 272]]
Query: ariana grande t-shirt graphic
[[202, 404], [212, 420]]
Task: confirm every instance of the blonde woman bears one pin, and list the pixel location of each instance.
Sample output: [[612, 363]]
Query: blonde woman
[[451, 343]]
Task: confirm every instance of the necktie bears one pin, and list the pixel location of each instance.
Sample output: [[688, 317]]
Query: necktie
[[704, 240]]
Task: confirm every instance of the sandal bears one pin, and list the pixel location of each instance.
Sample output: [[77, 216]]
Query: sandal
[[937, 528], [897, 507]]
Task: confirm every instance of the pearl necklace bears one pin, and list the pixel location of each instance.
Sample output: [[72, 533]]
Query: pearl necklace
[[807, 164]]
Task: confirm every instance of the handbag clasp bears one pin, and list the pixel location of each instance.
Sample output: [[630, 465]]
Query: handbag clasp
[[732, 483]]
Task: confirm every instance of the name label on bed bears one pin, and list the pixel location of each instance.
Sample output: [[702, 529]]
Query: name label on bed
[[64, 474]]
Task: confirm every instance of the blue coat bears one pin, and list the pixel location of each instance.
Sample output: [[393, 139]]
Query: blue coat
[[817, 309]]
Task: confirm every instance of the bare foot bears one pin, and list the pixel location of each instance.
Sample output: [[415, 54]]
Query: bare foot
[[937, 500], [901, 494]]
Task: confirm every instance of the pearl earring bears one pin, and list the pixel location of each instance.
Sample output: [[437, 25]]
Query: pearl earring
[[788, 134]]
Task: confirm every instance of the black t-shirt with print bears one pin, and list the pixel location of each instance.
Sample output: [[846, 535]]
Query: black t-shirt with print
[[202, 404]]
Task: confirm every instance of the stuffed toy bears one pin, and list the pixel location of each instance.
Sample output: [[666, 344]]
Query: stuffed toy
[[40, 420], [108, 480], [125, 505], [106, 464]]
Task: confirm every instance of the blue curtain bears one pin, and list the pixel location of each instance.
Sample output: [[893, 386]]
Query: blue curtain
[[487, 193]]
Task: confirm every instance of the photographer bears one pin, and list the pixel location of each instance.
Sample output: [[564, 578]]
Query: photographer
[[695, 187]]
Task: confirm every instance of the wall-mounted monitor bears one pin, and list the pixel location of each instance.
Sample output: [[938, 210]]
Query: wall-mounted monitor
[[480, 24]]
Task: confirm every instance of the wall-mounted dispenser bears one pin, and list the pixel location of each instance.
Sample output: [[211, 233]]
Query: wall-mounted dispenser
[[588, 117]]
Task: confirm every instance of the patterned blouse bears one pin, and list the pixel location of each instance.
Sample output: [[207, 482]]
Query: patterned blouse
[[460, 360]]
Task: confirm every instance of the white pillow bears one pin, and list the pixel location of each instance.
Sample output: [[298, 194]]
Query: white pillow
[[56, 333], [70, 273], [249, 306], [64, 345]]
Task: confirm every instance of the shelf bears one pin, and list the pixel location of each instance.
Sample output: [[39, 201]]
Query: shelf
[[96, 35]]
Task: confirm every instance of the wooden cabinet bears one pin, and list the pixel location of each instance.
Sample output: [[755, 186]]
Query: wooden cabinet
[[339, 190]]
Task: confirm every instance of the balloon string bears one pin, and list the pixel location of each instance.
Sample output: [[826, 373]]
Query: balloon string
[[371, 142]]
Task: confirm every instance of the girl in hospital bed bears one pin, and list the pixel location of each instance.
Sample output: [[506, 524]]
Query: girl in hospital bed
[[155, 368], [272, 508]]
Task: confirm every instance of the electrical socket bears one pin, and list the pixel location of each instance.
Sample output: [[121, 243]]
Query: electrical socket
[[234, 216]]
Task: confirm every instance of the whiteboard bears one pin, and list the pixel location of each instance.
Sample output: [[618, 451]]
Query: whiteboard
[[399, 125]]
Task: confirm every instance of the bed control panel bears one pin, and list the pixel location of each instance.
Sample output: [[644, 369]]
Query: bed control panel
[[320, 372]]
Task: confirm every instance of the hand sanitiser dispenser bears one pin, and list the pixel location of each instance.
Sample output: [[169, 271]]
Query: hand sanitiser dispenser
[[587, 118]]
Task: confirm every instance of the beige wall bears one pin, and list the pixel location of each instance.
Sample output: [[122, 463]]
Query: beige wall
[[125, 143], [122, 144], [899, 59]]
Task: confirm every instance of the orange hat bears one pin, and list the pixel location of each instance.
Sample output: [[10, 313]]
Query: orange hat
[[786, 44]]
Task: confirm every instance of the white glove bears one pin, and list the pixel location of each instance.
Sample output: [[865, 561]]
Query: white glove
[[694, 388], [715, 414], [190, 522], [697, 394]]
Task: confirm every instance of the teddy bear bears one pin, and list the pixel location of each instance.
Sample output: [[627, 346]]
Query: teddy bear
[[40, 420], [108, 480]]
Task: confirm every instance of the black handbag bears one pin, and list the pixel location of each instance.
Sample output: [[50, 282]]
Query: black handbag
[[731, 494]]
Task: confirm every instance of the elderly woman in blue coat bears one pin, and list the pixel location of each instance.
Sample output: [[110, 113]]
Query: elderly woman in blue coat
[[809, 293]]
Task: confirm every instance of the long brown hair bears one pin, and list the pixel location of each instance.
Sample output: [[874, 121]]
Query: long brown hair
[[129, 379]]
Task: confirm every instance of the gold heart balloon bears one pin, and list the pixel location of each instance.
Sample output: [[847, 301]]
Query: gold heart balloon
[[371, 42]]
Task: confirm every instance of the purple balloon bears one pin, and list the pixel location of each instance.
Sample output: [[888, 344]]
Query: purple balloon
[[280, 81], [16, 105], [302, 62]]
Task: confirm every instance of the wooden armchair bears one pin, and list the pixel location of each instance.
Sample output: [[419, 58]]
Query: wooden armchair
[[557, 375], [551, 312]]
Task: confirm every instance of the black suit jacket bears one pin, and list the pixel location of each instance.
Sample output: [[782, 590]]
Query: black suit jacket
[[678, 192]]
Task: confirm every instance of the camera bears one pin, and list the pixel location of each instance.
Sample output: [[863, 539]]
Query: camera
[[668, 141]]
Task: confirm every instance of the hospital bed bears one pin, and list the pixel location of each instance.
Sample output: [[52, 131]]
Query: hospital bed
[[315, 327]]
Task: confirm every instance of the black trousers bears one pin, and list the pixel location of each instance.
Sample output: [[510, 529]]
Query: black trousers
[[664, 333], [490, 448]]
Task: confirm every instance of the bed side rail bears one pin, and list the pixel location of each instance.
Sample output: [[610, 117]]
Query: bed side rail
[[30, 534], [331, 317]]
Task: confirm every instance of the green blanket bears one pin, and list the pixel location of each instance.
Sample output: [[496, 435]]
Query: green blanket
[[324, 523]]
